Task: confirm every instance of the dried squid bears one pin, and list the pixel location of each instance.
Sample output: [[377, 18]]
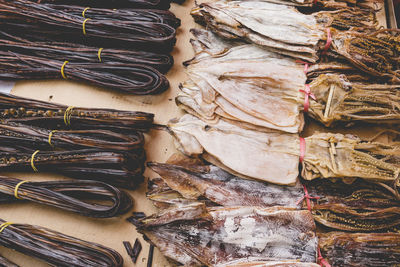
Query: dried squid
[[361, 250], [274, 156], [195, 235], [281, 28], [244, 83], [360, 206]]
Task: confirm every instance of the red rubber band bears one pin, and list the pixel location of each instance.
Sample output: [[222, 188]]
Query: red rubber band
[[306, 65], [302, 148], [328, 41], [307, 197], [307, 95], [322, 261]]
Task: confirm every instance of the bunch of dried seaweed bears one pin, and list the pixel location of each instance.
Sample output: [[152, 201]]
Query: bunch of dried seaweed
[[369, 250], [56, 248], [339, 100], [290, 32], [56, 116], [122, 169], [219, 236], [87, 198], [125, 14], [152, 4], [30, 19], [84, 54]]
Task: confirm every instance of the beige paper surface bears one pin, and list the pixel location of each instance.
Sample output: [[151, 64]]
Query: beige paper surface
[[111, 232]]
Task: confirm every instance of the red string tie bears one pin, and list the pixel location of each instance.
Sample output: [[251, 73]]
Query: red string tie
[[328, 41], [307, 95], [306, 65], [307, 197], [321, 260]]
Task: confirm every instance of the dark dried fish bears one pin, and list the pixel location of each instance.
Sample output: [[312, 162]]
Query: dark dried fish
[[56, 248], [87, 198], [361, 250], [195, 235]]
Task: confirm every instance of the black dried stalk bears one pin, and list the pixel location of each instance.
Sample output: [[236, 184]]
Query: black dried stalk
[[51, 116], [56, 248], [30, 19], [136, 79], [87, 198], [150, 257], [119, 169], [29, 138], [83, 54], [142, 15], [154, 4], [6, 263], [137, 248]]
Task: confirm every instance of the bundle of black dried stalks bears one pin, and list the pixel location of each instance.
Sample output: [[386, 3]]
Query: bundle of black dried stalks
[[56, 248], [86, 197]]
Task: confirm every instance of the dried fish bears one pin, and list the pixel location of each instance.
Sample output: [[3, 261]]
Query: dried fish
[[339, 100], [84, 197], [366, 250], [290, 33], [56, 248], [193, 179], [195, 235], [243, 83], [274, 156]]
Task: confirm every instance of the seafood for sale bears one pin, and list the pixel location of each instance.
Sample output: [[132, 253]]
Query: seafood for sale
[[196, 235]]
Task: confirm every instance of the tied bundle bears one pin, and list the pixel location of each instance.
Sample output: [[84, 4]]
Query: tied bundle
[[56, 116], [151, 4], [56, 248], [87, 198], [22, 16], [16, 45]]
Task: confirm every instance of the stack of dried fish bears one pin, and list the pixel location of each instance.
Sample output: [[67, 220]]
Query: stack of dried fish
[[196, 235], [274, 156], [88, 198], [290, 32], [56, 248], [41, 41], [98, 144]]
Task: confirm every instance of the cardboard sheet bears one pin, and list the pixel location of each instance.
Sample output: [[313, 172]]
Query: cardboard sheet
[[111, 232]]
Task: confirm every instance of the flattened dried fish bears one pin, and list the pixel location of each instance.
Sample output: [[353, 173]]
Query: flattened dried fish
[[243, 83], [195, 235], [361, 250], [219, 186]]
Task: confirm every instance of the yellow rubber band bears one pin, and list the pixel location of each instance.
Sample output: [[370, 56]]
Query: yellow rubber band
[[16, 189], [4, 226], [84, 11], [62, 69], [99, 54], [83, 26], [51, 135], [67, 115], [32, 158]]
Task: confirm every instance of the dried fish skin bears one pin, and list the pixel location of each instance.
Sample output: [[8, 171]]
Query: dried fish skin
[[351, 101], [357, 207], [221, 187], [268, 156], [219, 235], [243, 83], [298, 34], [360, 249], [331, 155]]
